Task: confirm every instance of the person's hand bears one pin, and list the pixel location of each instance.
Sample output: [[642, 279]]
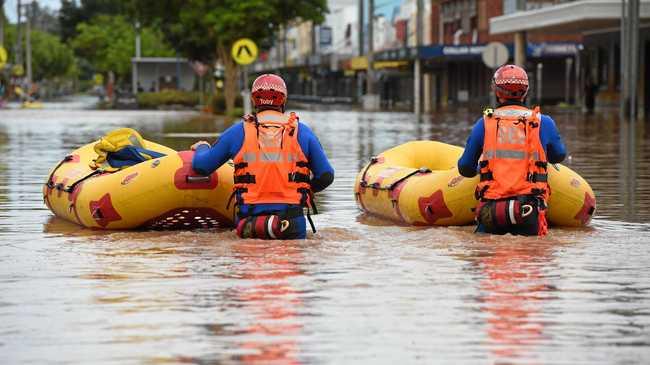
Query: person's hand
[[197, 144]]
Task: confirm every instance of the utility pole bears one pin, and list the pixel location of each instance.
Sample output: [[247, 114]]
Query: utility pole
[[138, 54], [417, 65], [361, 40], [18, 49], [314, 49], [633, 78], [2, 25], [371, 74], [629, 59], [28, 39], [370, 100], [568, 63], [520, 39], [624, 62], [361, 52]]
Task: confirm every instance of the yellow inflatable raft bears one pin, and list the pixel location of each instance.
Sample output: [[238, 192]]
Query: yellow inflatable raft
[[161, 193], [32, 105], [418, 183]]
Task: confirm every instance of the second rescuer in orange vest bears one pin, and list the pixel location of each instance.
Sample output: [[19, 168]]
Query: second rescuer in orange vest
[[513, 146]]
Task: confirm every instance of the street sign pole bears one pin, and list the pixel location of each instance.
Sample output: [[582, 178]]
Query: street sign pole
[[495, 55], [244, 52], [248, 108]]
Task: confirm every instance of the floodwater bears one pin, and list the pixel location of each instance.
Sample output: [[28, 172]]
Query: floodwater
[[359, 291]]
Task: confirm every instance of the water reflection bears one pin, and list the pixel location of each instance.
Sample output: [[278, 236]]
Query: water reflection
[[361, 290], [514, 290], [628, 175], [263, 288]]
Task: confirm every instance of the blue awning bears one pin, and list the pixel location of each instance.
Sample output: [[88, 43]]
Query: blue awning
[[535, 50]]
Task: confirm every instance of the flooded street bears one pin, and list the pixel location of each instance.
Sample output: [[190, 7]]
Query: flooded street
[[361, 290]]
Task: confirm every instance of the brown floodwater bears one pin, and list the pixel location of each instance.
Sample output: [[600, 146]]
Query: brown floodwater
[[359, 291]]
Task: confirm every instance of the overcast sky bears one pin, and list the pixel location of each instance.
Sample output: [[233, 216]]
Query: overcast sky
[[384, 7], [10, 6]]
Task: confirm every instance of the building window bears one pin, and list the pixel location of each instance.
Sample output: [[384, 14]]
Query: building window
[[509, 6]]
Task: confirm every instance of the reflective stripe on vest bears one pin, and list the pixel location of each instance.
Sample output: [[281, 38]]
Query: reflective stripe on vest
[[514, 160], [271, 166], [514, 155], [271, 156], [512, 113], [249, 156]]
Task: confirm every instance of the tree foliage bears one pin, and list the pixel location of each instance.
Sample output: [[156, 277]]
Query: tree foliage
[[50, 57], [71, 14], [206, 29], [44, 19], [108, 43]]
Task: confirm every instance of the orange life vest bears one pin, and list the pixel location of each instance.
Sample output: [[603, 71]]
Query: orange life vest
[[514, 161], [271, 166]]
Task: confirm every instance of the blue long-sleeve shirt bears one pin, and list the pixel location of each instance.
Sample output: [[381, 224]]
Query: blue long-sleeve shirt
[[208, 159], [548, 135]]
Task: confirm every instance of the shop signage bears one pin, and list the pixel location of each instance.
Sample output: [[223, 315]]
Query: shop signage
[[325, 35], [553, 49]]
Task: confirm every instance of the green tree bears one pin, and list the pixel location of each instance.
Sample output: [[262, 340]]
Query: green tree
[[206, 29], [50, 57], [72, 14], [108, 43]]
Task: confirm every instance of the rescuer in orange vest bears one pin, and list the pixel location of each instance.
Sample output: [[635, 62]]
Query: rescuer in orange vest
[[511, 147], [279, 165]]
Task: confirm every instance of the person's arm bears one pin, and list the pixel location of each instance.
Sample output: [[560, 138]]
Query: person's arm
[[551, 139], [318, 163], [468, 162], [208, 158]]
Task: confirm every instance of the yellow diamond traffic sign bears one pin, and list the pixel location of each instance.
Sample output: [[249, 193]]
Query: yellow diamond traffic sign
[[18, 70], [244, 51], [3, 56], [99, 79]]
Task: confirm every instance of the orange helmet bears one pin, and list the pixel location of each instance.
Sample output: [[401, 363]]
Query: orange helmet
[[510, 82], [269, 90]]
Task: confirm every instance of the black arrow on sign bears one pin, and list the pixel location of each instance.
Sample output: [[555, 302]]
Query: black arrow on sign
[[242, 48]]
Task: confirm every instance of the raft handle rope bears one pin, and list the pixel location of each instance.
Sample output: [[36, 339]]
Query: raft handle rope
[[373, 160], [391, 187], [72, 186], [50, 183], [197, 179]]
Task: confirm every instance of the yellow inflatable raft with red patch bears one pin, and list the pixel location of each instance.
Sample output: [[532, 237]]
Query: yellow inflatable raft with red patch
[[158, 193], [418, 183]]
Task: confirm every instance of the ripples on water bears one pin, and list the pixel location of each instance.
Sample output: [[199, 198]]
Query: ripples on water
[[359, 291]]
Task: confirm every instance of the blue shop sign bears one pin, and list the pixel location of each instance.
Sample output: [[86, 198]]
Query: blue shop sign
[[455, 52], [538, 50], [535, 50]]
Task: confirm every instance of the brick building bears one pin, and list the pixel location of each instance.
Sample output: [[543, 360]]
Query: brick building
[[461, 28]]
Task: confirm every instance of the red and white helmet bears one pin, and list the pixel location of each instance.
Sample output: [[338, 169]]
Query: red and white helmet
[[510, 82], [269, 90]]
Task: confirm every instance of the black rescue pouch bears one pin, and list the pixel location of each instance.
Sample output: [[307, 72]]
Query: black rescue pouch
[[278, 226], [517, 215]]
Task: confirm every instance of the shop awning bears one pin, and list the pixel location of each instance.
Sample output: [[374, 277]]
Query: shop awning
[[358, 63], [572, 17], [535, 50], [390, 64]]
